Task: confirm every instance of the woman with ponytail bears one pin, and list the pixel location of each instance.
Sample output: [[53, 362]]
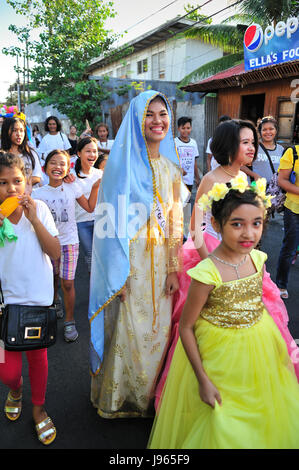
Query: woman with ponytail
[[86, 175]]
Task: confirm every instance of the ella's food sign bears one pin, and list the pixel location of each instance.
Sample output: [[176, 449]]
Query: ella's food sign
[[275, 45]]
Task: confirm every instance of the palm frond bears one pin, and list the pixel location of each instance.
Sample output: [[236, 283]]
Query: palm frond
[[211, 68], [270, 10], [244, 19], [227, 37]]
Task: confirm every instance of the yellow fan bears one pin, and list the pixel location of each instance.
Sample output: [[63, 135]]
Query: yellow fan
[[9, 206]]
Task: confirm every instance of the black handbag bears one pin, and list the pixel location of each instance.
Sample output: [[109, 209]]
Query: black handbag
[[26, 327]]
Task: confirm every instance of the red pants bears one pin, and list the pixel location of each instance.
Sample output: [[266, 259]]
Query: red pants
[[11, 372]]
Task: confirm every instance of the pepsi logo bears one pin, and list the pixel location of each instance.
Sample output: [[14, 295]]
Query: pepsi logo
[[253, 37]]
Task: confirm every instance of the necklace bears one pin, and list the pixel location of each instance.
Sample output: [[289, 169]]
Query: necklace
[[235, 266], [227, 172]]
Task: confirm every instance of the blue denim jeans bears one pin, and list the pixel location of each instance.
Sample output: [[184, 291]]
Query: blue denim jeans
[[85, 232], [288, 249]]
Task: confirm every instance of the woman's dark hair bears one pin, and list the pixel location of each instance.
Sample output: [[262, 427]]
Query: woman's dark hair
[[102, 124], [224, 118], [9, 160], [81, 144], [55, 152], [226, 140], [7, 128], [161, 98], [222, 209], [52, 118]]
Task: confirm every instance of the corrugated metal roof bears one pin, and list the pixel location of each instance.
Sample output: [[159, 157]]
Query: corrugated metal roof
[[237, 77]]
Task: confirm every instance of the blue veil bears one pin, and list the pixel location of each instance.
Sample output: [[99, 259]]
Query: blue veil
[[128, 180]]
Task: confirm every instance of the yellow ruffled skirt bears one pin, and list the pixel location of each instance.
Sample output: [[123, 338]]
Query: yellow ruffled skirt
[[260, 394]]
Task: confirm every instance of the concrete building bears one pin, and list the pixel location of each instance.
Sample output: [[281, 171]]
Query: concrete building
[[160, 54]]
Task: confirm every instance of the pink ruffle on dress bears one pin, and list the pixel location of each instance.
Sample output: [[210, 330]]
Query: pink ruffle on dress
[[271, 298]]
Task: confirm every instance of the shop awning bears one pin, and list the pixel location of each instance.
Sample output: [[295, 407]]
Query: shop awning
[[237, 77]]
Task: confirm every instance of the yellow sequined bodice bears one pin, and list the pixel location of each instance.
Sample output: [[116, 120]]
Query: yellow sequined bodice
[[236, 304], [233, 304]]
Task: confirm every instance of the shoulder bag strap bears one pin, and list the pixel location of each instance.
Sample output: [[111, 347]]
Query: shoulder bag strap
[[61, 136], [295, 155], [2, 304], [269, 158]]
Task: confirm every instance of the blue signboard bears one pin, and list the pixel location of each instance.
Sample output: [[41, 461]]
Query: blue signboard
[[272, 46]]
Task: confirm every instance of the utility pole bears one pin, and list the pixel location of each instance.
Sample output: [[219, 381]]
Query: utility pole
[[28, 74], [24, 79], [18, 85]]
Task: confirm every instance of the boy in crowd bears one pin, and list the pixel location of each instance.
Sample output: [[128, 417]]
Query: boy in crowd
[[188, 152]]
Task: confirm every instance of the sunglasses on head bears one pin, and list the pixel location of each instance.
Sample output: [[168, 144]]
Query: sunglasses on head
[[268, 118]]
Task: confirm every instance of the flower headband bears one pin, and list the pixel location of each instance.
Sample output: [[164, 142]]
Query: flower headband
[[239, 183]]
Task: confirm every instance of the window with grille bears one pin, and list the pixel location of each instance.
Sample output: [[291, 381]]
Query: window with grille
[[123, 71], [158, 66], [142, 66]]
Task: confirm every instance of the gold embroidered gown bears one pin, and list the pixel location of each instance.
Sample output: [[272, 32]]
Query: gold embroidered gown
[[137, 330], [246, 358]]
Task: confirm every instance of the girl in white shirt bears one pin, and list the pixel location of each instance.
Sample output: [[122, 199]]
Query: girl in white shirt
[[86, 175], [14, 139], [54, 139], [27, 279], [102, 134], [61, 197]]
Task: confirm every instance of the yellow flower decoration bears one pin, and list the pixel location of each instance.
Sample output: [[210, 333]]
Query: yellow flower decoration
[[219, 191], [267, 201], [204, 201], [240, 182], [261, 185]]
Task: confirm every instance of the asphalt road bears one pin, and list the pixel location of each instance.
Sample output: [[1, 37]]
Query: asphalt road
[[68, 403]]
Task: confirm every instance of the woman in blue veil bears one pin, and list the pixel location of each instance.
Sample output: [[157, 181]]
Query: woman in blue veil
[[137, 235]]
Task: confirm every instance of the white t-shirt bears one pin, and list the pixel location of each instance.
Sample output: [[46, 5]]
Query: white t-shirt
[[52, 142], [105, 145], [214, 162], [26, 272], [261, 164], [86, 185], [61, 202], [187, 151]]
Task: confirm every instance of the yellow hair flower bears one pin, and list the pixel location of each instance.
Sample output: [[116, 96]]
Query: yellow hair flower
[[267, 201], [204, 202], [219, 191], [240, 182], [260, 187]]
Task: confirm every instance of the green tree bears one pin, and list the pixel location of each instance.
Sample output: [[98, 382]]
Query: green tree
[[228, 35], [70, 35]]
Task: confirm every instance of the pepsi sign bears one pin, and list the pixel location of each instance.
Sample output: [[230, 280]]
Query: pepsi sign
[[272, 46], [253, 37]]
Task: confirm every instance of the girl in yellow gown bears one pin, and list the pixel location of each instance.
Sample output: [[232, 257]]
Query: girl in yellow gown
[[231, 383]]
